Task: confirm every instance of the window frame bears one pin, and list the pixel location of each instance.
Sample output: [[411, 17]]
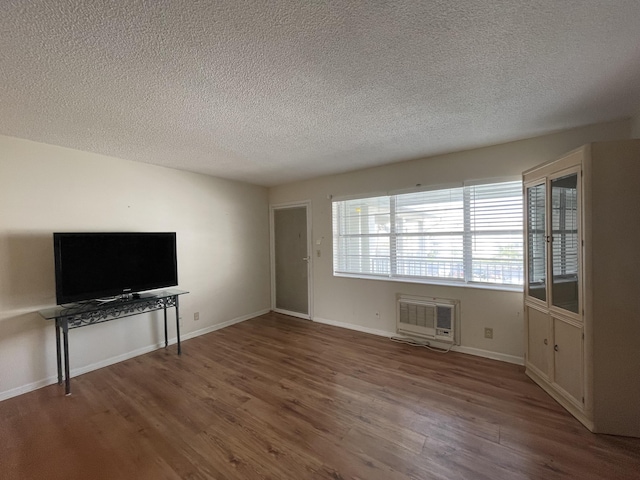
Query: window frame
[[467, 235]]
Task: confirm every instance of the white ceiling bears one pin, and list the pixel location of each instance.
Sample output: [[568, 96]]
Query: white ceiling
[[270, 92]]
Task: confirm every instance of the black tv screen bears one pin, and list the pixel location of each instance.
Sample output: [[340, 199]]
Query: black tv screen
[[96, 265]]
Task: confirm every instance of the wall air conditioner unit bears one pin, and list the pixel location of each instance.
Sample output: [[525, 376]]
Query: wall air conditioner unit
[[428, 317]]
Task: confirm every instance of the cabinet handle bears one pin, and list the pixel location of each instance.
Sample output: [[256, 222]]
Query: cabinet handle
[[546, 342], [555, 347]]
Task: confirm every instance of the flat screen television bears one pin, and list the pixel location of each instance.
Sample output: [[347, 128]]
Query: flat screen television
[[89, 266]]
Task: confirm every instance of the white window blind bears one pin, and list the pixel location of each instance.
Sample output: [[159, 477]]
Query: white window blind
[[429, 234], [362, 236], [496, 232], [536, 202], [564, 226], [464, 234]]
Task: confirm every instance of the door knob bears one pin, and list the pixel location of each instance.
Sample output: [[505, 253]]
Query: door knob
[[555, 347], [546, 342]]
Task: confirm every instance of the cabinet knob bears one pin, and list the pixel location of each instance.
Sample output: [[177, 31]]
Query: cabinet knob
[[555, 347], [546, 342]]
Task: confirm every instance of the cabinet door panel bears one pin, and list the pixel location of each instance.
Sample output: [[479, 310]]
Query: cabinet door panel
[[568, 358], [538, 340], [536, 242], [565, 238]]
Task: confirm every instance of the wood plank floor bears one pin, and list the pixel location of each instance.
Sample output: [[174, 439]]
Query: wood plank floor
[[281, 398]]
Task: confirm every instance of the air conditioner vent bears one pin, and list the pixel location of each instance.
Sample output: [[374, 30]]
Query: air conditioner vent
[[427, 317]]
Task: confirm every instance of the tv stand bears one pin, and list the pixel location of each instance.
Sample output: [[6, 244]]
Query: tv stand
[[90, 313]]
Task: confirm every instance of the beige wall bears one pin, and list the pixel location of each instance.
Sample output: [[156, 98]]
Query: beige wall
[[223, 254], [357, 302], [635, 126]]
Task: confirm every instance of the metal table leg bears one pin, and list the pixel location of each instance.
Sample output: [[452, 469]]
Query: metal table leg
[[65, 338], [58, 353], [178, 325], [166, 337]]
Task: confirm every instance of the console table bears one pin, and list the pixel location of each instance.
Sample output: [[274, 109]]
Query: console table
[[90, 313]]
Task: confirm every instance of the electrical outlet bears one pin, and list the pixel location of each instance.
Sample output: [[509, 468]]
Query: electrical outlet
[[196, 316], [488, 332]]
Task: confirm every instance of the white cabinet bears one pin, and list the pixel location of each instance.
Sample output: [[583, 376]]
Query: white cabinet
[[538, 341], [582, 314], [567, 360]]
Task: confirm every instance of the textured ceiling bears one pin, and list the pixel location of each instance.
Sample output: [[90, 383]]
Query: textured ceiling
[[275, 91]]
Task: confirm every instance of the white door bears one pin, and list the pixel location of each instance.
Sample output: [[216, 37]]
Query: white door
[[291, 260]]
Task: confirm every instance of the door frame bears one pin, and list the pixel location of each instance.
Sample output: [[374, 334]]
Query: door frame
[[280, 206]]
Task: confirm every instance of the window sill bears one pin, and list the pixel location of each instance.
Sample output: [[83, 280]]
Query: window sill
[[442, 283]]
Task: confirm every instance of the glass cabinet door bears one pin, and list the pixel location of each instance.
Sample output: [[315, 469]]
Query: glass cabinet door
[[565, 248], [536, 242]]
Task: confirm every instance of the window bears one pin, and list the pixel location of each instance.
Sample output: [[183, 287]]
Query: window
[[461, 235]]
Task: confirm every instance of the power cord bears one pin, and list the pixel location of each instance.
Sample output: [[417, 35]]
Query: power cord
[[415, 343]]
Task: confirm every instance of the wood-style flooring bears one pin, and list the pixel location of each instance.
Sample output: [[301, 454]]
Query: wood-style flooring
[[282, 398]]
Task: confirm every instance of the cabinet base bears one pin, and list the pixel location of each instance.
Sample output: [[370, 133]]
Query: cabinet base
[[566, 404]]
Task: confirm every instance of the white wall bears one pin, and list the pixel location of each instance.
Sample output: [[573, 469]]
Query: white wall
[[223, 253], [356, 301]]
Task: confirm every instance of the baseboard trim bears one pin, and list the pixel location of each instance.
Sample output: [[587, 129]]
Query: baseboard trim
[[303, 316], [351, 326], [503, 357], [14, 392], [218, 326], [478, 352]]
